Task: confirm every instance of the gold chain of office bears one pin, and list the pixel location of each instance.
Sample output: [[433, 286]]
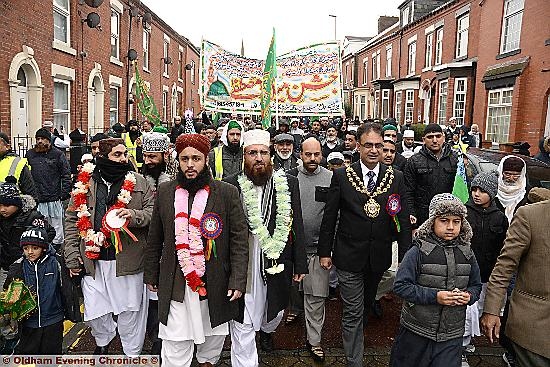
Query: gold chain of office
[[372, 208]]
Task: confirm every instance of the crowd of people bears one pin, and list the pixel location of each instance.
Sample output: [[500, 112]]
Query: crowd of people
[[213, 230]]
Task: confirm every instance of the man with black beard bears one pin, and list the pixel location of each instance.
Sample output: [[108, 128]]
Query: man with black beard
[[132, 140], [115, 197], [271, 201], [227, 159], [284, 157], [52, 178], [197, 297]]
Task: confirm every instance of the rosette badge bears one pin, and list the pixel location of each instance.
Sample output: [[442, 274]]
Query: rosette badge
[[211, 227]]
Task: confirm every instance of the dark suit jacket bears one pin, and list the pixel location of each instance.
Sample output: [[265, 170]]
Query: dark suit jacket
[[362, 243], [293, 256], [226, 271]]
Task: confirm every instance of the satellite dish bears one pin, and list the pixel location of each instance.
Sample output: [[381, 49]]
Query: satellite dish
[[92, 20], [93, 3], [132, 54]]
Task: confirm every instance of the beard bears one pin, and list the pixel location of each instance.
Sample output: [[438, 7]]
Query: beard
[[258, 175], [154, 171], [331, 139], [194, 184], [284, 156], [233, 147], [41, 148]]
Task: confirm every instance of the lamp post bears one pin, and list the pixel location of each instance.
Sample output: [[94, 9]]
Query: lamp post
[[334, 16]]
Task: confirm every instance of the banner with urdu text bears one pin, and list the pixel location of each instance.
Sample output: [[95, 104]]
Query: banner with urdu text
[[308, 81]]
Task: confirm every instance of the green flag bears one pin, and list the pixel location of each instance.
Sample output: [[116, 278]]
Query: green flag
[[268, 83], [146, 104], [460, 187]]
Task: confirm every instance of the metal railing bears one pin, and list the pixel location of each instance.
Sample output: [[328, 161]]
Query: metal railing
[[21, 144]]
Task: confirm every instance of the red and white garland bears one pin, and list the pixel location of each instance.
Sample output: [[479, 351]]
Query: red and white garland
[[94, 240], [189, 243]]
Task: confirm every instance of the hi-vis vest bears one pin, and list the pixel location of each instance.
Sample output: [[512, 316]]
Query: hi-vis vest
[[218, 163], [12, 166], [132, 147]]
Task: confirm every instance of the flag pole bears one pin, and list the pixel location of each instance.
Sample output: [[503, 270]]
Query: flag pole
[[276, 104]]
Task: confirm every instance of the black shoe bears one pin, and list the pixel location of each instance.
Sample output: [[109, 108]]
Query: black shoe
[[332, 295], [102, 351], [377, 309], [266, 341], [156, 347]]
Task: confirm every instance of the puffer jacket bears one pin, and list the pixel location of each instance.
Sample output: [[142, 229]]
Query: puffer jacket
[[489, 226], [544, 153], [43, 278], [427, 176], [51, 174], [13, 227]]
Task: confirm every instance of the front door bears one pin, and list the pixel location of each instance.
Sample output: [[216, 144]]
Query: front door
[[21, 128]]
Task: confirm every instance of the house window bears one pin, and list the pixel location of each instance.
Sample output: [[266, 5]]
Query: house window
[[429, 50], [409, 105], [459, 100], [388, 61], [113, 104], [499, 109], [398, 106], [165, 105], [180, 65], [385, 103], [442, 102], [365, 70], [192, 72], [374, 67], [412, 58], [363, 107], [376, 113], [405, 16], [352, 72], [165, 56], [511, 25], [61, 104], [146, 41], [61, 20], [115, 34], [438, 46], [463, 24], [346, 75]]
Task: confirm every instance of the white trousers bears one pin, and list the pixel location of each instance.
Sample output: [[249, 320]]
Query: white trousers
[[243, 340], [180, 353]]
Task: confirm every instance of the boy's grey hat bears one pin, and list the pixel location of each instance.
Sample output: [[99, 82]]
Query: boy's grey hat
[[446, 204], [487, 182]]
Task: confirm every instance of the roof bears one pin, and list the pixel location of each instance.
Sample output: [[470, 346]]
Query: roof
[[356, 38], [508, 69]]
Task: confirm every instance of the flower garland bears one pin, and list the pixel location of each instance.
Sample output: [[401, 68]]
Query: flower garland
[[272, 245], [189, 244], [94, 240]]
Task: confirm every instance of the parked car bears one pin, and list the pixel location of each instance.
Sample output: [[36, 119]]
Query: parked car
[[482, 160]]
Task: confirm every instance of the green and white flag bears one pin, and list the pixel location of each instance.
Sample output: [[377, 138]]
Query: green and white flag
[[146, 105], [268, 83], [460, 187]]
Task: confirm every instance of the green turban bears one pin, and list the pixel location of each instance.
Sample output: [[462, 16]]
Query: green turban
[[389, 127], [232, 124]]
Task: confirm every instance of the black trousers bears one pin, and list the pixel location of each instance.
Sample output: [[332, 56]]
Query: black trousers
[[45, 340], [153, 326], [412, 350]]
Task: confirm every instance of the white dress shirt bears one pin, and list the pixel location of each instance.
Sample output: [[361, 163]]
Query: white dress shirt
[[365, 170]]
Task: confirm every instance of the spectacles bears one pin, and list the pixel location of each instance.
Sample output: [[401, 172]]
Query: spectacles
[[254, 153], [372, 145], [511, 174]]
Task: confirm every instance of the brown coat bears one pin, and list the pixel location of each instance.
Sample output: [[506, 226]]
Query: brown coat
[[226, 271], [527, 251], [130, 259]]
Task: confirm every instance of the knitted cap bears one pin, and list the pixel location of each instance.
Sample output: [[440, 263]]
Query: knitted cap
[[432, 128], [408, 134], [43, 133], [446, 204], [155, 142], [487, 182], [9, 192], [389, 127], [256, 136], [35, 236], [197, 141]]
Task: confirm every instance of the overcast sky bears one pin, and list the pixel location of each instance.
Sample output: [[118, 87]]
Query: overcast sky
[[297, 23]]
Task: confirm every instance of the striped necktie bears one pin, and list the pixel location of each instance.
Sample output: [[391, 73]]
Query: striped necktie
[[371, 185]]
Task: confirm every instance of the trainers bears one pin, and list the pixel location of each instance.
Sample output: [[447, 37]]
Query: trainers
[[470, 348], [509, 359], [464, 361]]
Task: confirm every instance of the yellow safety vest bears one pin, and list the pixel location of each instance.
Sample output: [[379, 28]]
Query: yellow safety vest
[[218, 163], [132, 147], [12, 166]]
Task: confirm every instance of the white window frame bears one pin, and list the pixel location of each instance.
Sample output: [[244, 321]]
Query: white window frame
[[115, 36], [507, 17], [181, 66], [64, 12], [365, 70], [498, 125], [438, 46], [411, 67], [165, 96], [459, 99], [146, 48], [442, 101], [409, 105], [66, 112], [462, 26], [398, 100], [385, 111], [374, 67], [389, 50], [193, 72], [376, 111], [115, 109], [363, 107], [405, 14], [429, 50]]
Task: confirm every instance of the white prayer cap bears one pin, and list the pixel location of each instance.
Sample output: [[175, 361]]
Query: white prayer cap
[[256, 136], [86, 157], [335, 155], [408, 134], [155, 142]]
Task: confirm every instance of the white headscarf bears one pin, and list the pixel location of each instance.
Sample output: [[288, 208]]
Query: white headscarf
[[226, 128], [510, 195]]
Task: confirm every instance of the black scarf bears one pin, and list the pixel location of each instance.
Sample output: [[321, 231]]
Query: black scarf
[[133, 135], [112, 172], [194, 184], [154, 172], [233, 147]]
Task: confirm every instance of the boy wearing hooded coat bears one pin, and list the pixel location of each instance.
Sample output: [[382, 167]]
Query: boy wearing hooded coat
[[438, 277]]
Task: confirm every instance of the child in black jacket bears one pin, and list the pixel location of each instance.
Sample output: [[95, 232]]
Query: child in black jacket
[[42, 332]]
